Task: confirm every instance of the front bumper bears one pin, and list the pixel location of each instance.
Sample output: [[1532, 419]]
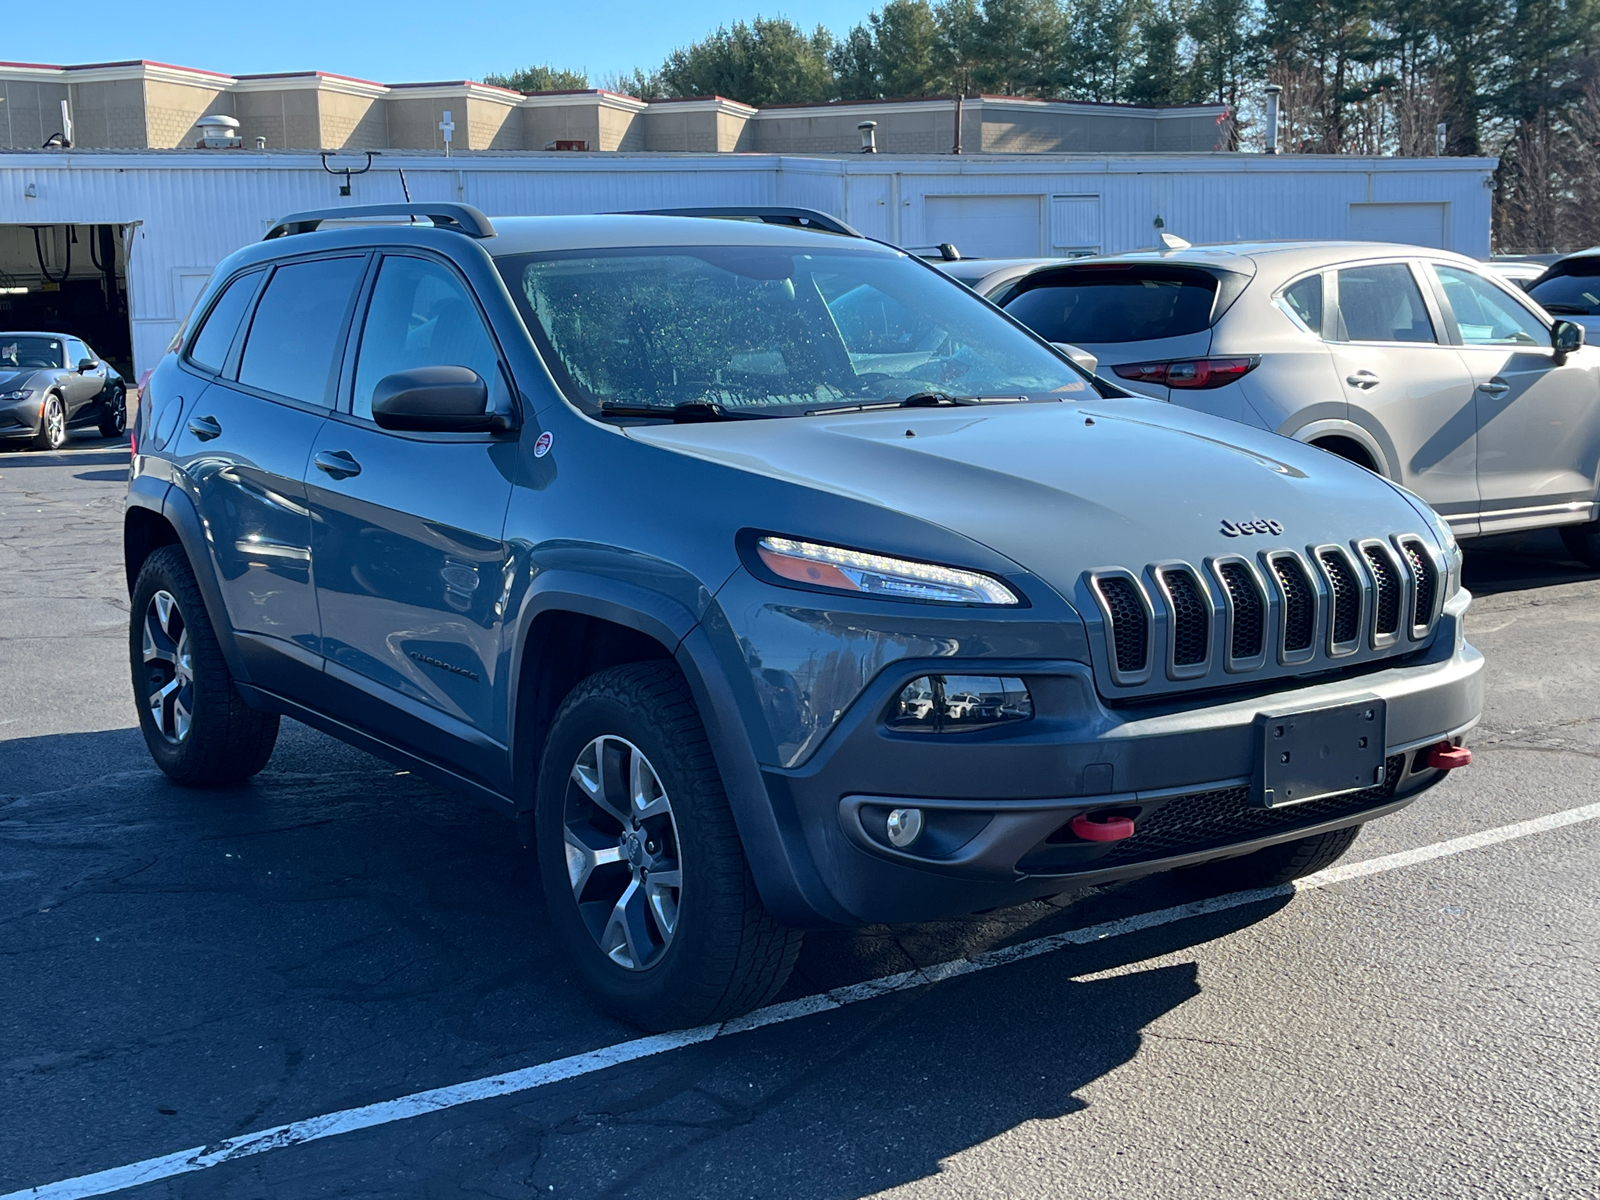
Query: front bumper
[[20, 418], [996, 802]]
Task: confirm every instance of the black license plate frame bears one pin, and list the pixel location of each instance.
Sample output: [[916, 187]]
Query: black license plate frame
[[1312, 754]]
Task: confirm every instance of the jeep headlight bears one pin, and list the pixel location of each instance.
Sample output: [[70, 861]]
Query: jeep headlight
[[878, 574]]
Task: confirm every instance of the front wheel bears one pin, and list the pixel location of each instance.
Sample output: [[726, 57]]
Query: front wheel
[[1583, 543], [644, 873], [52, 433], [197, 726], [1278, 864], [114, 414]]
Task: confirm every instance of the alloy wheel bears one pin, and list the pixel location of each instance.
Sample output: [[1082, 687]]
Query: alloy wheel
[[169, 667], [119, 411], [622, 852], [54, 421]]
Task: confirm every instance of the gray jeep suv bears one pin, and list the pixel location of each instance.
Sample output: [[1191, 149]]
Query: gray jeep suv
[[769, 579]]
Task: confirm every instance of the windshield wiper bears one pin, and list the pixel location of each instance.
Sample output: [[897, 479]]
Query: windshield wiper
[[690, 412], [1576, 310], [915, 400]]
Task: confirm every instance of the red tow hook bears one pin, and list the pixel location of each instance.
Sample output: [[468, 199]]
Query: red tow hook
[[1101, 828], [1446, 757]]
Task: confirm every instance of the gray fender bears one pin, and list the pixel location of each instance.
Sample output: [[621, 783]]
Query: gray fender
[[180, 513], [1374, 441]]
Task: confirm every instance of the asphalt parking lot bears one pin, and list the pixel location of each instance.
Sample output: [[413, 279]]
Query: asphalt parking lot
[[178, 969]]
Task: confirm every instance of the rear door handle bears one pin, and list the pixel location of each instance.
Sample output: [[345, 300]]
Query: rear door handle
[[1494, 387], [338, 463], [1362, 379], [205, 428]]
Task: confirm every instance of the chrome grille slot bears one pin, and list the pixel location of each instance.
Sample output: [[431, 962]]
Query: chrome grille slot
[[1190, 632], [1299, 604], [1130, 623], [1247, 638], [1389, 592], [1426, 584], [1344, 586]]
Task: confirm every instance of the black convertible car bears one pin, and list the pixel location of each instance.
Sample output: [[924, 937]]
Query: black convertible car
[[50, 382]]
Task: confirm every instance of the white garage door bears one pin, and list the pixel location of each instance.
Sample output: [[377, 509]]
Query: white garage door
[[985, 226], [1413, 224]]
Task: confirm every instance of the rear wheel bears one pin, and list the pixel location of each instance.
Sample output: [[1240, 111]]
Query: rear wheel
[[1583, 543], [197, 726], [644, 873], [52, 433], [114, 414], [1279, 864]]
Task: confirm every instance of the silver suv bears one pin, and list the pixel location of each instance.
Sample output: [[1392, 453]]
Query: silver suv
[[1424, 366]]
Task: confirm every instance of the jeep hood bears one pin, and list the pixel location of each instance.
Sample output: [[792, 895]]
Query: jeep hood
[[1059, 488]]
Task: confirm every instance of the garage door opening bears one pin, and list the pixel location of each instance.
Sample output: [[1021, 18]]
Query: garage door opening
[[70, 279]]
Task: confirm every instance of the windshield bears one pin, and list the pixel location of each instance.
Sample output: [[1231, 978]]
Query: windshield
[[1575, 294], [30, 352], [1115, 303], [770, 332]]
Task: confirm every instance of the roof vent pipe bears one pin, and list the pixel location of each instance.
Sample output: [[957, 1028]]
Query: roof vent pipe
[[869, 139], [1274, 91]]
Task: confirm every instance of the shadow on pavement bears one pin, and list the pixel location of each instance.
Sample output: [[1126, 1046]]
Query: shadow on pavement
[[1513, 561], [117, 454], [184, 966]]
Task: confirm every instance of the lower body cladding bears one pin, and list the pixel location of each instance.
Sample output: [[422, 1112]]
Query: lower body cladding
[[916, 826]]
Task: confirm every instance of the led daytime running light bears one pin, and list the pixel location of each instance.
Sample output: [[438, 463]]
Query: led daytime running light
[[878, 574]]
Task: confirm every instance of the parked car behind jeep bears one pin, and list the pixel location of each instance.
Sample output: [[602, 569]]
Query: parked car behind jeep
[[769, 579]]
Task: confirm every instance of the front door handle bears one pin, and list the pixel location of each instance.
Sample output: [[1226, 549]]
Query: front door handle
[[1495, 387], [205, 428], [1362, 379], [338, 463]]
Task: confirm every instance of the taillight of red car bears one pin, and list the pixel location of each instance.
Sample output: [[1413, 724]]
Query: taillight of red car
[[1190, 372]]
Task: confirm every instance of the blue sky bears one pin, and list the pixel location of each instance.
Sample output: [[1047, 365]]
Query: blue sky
[[390, 41]]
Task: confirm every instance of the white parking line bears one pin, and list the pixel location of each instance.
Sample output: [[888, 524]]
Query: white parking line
[[418, 1104]]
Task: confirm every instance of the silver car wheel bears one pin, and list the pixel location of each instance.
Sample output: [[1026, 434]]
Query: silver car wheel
[[622, 852], [169, 668], [54, 422]]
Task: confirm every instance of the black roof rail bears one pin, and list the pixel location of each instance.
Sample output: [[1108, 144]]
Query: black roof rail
[[462, 218], [799, 218]]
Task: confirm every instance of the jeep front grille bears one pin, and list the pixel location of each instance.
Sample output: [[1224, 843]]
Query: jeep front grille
[[1130, 623], [1282, 612], [1299, 604]]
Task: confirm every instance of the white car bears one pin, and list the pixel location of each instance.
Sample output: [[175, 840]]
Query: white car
[[1422, 365]]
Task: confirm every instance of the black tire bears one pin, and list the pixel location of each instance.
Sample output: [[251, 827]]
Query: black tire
[[1278, 864], [1583, 543], [722, 955], [206, 733], [52, 433], [114, 414]]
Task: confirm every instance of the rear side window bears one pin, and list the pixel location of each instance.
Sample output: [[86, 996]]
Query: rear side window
[[1381, 303], [1304, 300], [210, 346], [1575, 293], [1083, 305], [295, 333]]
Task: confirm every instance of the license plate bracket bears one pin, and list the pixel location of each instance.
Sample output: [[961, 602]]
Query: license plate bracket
[[1310, 754]]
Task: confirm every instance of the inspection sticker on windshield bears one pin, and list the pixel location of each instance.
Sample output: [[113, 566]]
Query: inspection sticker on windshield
[[542, 446]]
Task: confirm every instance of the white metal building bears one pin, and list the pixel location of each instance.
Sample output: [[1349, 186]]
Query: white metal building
[[150, 225]]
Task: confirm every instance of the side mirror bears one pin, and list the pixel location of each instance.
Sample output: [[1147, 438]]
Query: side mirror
[[88, 364], [434, 400], [1078, 355], [1566, 336]]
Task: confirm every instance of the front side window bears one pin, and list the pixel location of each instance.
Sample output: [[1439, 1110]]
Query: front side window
[[420, 316], [294, 336], [1304, 300], [35, 352], [1382, 303], [770, 331], [210, 347], [1486, 315]]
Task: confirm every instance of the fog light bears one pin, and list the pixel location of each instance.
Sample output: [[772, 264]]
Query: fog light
[[905, 826], [952, 703]]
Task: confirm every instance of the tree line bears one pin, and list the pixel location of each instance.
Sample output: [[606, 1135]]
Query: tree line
[[1515, 78]]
